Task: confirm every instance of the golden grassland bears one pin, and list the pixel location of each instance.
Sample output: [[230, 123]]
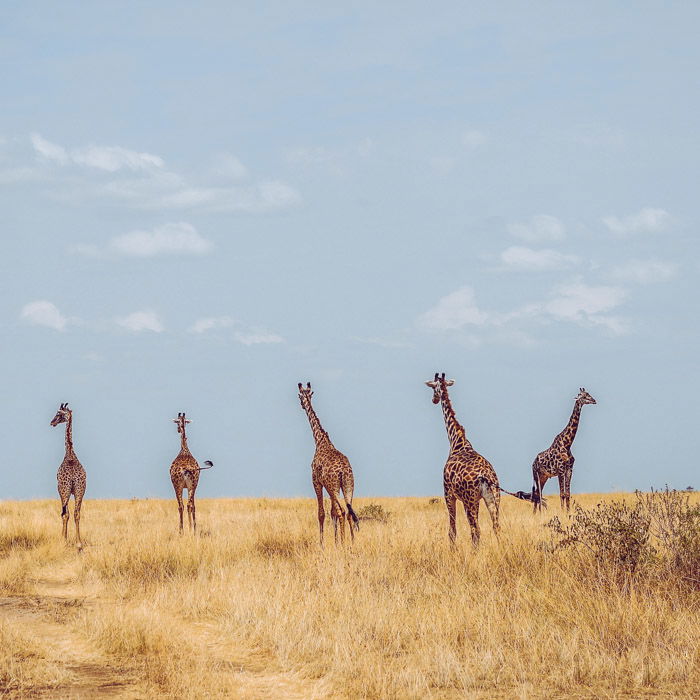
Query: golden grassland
[[253, 607]]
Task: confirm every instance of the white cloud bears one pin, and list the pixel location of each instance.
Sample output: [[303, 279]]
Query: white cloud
[[48, 150], [576, 302], [141, 321], [645, 271], [113, 158], [542, 227], [520, 258], [257, 336], [202, 325], [647, 220], [44, 313], [472, 138], [586, 305], [170, 239], [109, 158], [453, 312], [140, 180]]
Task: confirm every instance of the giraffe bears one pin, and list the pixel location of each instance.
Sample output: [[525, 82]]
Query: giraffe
[[71, 475], [558, 460], [184, 473], [467, 477], [330, 469]]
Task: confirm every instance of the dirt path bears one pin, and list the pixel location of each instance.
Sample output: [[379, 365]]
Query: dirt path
[[50, 612], [47, 613]]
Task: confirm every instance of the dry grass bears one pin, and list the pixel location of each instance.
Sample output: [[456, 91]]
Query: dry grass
[[252, 607]]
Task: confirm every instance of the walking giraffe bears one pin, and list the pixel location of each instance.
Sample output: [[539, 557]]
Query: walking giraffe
[[184, 473], [330, 469], [71, 475], [467, 477], [558, 460]]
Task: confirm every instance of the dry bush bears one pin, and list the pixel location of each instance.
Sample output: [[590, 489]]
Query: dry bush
[[373, 511], [657, 536]]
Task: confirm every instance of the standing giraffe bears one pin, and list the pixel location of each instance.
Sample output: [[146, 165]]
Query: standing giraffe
[[558, 460], [184, 473], [467, 477], [330, 469], [71, 475]]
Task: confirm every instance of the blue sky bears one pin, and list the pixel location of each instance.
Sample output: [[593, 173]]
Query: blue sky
[[204, 206]]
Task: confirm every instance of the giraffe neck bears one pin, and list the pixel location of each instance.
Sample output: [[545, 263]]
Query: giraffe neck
[[69, 436], [320, 435], [183, 441], [455, 432], [569, 433]]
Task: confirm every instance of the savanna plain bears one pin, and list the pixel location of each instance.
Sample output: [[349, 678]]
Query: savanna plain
[[252, 607]]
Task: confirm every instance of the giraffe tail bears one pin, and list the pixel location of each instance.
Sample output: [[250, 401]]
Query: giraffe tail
[[353, 516]]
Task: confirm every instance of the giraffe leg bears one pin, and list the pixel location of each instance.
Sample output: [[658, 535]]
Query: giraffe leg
[[191, 512], [567, 488], [338, 516], [472, 512], [492, 498], [78, 496], [64, 493], [321, 512], [540, 481], [180, 504], [451, 503], [562, 489]]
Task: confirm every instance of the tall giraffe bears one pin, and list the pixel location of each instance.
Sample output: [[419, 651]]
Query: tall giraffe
[[330, 469], [71, 475], [467, 477], [558, 460], [184, 473]]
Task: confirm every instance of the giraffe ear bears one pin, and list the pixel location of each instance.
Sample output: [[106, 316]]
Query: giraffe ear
[[187, 420], [449, 382]]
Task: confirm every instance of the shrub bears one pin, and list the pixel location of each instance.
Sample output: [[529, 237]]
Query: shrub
[[659, 534], [676, 526], [616, 534], [373, 511]]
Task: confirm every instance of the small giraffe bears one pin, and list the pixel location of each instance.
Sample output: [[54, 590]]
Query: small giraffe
[[71, 475], [558, 460], [467, 477], [330, 469], [184, 473]]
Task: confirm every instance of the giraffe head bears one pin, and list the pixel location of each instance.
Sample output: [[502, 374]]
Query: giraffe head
[[305, 392], [584, 397], [439, 385], [181, 421], [62, 415]]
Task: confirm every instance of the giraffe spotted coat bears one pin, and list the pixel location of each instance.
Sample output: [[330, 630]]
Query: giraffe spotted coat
[[557, 460], [330, 469], [71, 475], [468, 477]]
